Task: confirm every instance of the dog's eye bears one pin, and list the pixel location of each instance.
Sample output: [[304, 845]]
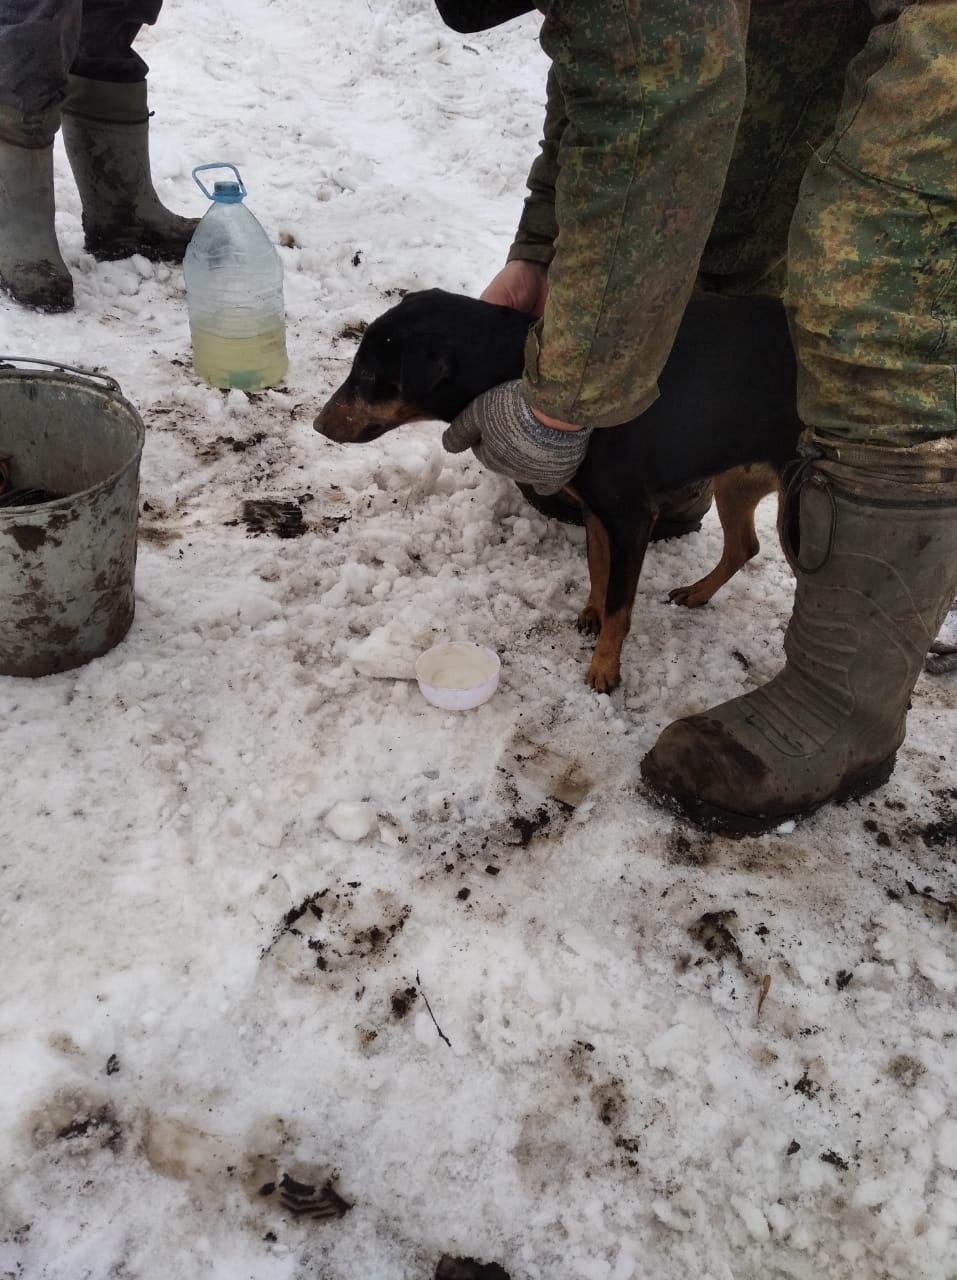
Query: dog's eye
[[377, 386]]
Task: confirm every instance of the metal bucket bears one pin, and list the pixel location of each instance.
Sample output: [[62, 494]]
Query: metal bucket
[[66, 566]]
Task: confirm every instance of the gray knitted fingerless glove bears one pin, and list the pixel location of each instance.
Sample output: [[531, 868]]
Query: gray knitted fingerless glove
[[505, 435]]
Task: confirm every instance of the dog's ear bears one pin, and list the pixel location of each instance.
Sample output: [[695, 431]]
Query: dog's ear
[[426, 364]]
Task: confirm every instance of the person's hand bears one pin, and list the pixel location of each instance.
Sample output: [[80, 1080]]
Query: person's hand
[[521, 285], [504, 434]]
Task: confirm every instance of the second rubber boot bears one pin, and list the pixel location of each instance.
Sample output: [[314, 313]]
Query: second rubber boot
[[680, 511], [876, 567], [32, 270], [106, 133]]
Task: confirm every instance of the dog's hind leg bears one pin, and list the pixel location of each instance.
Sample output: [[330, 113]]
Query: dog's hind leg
[[736, 494]]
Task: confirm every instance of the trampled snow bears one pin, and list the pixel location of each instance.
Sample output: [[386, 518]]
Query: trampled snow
[[268, 915]]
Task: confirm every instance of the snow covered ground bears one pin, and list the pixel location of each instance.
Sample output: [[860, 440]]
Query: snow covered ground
[[517, 1020]]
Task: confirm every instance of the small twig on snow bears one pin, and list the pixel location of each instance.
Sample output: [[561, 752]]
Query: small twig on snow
[[765, 988], [442, 1035]]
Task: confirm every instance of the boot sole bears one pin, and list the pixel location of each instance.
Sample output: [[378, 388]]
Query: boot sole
[[119, 251], [725, 822], [49, 302]]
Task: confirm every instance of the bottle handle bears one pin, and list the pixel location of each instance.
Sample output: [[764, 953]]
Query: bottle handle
[[219, 164]]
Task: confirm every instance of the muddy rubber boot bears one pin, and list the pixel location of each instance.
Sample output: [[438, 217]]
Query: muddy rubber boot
[[480, 15], [876, 565], [31, 268], [106, 132], [680, 511]]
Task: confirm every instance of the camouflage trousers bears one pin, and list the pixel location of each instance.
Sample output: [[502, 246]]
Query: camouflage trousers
[[872, 254], [840, 192], [864, 248], [42, 41]]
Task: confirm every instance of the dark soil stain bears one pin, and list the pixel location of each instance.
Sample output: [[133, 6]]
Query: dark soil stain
[[831, 1157], [528, 826], [376, 938], [100, 1128], [810, 1088], [687, 852], [305, 1201], [468, 1269], [332, 524], [881, 837], [941, 831], [212, 450], [937, 835], [240, 446], [281, 518], [352, 332], [295, 914], [944, 907], [713, 932], [610, 1101], [402, 1002], [906, 1070], [629, 1151], [335, 929]]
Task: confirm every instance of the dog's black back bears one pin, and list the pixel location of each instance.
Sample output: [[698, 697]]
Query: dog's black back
[[727, 398]]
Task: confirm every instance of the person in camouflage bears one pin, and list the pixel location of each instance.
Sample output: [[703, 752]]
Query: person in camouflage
[[803, 147], [73, 62]]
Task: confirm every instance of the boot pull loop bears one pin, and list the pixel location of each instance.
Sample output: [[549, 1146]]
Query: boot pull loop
[[794, 477]]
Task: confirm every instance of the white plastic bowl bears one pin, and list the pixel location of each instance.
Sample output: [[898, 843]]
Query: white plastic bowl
[[458, 676]]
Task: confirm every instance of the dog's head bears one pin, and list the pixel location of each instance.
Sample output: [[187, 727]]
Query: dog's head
[[424, 360]]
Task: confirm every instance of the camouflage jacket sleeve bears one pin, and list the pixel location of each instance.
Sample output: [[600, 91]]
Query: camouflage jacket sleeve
[[537, 228], [643, 107]]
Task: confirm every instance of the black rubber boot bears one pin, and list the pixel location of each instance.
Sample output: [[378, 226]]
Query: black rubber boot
[[106, 133], [480, 15], [32, 270], [876, 567], [680, 511]]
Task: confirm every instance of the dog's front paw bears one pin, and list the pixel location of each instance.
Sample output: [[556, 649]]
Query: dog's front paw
[[589, 620], [603, 676]]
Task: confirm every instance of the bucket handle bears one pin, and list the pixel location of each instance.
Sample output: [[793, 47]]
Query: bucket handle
[[111, 383]]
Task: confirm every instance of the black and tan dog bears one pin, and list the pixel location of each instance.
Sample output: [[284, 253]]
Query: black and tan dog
[[726, 409]]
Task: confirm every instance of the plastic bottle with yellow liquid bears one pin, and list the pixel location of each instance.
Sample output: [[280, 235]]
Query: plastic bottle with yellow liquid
[[234, 293]]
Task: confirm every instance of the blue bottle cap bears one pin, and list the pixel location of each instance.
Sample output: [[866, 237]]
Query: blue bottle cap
[[227, 193]]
